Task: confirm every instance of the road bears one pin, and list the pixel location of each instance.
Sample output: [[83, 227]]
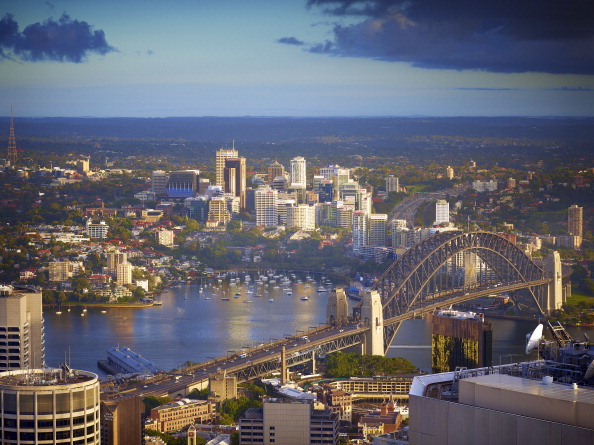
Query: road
[[408, 208]]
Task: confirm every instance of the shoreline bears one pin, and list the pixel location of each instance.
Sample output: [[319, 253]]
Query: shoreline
[[104, 305]]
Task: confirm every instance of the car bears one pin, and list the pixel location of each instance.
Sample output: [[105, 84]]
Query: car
[[341, 330]]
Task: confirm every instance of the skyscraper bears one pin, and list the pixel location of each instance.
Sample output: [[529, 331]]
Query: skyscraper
[[182, 183], [221, 155], [234, 179], [275, 169], [21, 329], [53, 406], [574, 220], [360, 230], [298, 173], [266, 208]]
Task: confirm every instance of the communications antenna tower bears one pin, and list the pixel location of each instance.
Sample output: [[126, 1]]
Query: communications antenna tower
[[12, 150]]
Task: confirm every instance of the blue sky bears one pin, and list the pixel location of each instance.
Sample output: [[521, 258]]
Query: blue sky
[[296, 58]]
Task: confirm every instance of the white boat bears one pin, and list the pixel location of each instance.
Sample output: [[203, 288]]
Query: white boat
[[207, 298], [304, 298], [104, 312], [289, 293], [270, 300], [322, 289], [248, 301], [59, 312]]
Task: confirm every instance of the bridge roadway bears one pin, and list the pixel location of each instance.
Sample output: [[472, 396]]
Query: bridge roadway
[[265, 358]]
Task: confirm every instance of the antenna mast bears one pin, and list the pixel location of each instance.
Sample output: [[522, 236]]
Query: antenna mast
[[12, 150]]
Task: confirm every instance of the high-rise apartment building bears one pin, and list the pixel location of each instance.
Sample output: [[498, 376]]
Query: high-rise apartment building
[[121, 421], [392, 184], [360, 230], [124, 273], [442, 211], [50, 406], [266, 207], [298, 173], [115, 257], [21, 329], [377, 229], [96, 230], [275, 169], [63, 270], [399, 233], [234, 177], [221, 155], [574, 220]]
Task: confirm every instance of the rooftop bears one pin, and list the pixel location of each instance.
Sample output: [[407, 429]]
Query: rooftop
[[45, 377]]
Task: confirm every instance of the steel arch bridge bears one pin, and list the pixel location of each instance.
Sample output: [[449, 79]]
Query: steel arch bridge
[[441, 270]]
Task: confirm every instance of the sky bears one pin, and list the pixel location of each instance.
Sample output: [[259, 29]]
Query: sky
[[145, 58]]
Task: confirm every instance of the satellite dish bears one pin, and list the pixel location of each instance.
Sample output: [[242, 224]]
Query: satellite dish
[[534, 338], [589, 371]]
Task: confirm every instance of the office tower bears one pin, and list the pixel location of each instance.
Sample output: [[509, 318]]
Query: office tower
[[282, 209], [182, 184], [392, 184], [275, 169], [302, 216], [53, 406], [449, 172], [460, 339], [21, 329], [221, 155], [360, 230], [234, 177], [288, 422], [222, 387], [198, 208], [344, 217], [124, 273], [574, 220], [266, 207], [158, 182], [121, 421], [377, 229], [218, 210], [326, 190], [442, 211], [280, 183], [298, 173]]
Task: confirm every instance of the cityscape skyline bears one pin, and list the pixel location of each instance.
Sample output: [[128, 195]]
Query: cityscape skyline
[[298, 58]]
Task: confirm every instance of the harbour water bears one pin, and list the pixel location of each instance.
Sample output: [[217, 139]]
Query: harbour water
[[194, 325]]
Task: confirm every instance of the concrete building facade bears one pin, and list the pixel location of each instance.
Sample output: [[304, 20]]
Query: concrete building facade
[[21, 329]]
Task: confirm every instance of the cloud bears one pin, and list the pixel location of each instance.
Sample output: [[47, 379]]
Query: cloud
[[492, 35], [64, 40], [290, 41]]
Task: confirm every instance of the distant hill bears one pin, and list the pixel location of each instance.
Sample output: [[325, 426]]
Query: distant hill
[[261, 129]]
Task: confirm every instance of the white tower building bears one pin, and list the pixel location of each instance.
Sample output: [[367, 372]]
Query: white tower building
[[442, 211], [266, 207], [360, 230], [298, 173]]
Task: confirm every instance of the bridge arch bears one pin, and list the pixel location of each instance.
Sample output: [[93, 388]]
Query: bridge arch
[[409, 284]]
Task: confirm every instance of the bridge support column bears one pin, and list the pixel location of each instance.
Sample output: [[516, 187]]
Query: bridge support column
[[313, 362], [337, 309], [373, 317], [555, 290]]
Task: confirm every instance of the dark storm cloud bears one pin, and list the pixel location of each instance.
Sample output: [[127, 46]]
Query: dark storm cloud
[[493, 35], [65, 40], [290, 41]]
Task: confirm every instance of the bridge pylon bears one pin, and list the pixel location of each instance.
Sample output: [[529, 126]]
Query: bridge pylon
[[337, 309], [372, 315], [555, 290]]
